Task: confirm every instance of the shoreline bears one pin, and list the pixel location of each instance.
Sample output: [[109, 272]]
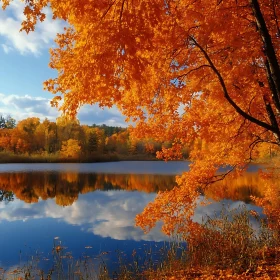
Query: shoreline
[[10, 158]]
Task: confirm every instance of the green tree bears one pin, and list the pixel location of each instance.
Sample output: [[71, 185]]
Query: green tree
[[10, 122], [92, 142], [2, 122], [6, 196]]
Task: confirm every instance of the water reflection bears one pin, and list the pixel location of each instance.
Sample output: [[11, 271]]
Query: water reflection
[[98, 209], [240, 188], [6, 196], [66, 187], [107, 203], [107, 214]]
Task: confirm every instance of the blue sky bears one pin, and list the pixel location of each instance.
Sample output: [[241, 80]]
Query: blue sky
[[24, 67]]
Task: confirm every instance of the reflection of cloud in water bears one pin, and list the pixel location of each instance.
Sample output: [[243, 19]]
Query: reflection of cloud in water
[[107, 214], [111, 214]]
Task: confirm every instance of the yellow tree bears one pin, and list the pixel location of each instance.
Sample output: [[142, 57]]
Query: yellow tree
[[68, 128], [70, 148], [181, 70]]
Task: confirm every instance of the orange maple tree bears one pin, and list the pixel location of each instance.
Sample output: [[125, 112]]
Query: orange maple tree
[[180, 70]]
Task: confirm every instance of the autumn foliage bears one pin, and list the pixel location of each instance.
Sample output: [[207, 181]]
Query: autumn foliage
[[181, 70], [67, 139]]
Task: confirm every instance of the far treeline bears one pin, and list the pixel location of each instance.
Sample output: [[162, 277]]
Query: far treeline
[[32, 140], [68, 140]]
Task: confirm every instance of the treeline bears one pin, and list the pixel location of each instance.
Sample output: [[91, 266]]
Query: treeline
[[68, 139]]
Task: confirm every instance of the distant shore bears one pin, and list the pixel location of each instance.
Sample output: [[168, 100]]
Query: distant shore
[[51, 158]]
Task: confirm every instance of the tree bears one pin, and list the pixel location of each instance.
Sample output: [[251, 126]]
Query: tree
[[7, 122], [10, 122], [68, 128], [2, 122], [92, 142], [181, 70], [70, 148], [122, 142], [45, 135], [27, 141], [6, 196], [111, 143], [5, 140]]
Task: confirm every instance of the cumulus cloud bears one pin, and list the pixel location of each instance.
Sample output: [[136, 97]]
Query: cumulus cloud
[[34, 42], [21, 107]]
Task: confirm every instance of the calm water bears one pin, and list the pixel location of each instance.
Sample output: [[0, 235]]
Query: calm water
[[91, 207]]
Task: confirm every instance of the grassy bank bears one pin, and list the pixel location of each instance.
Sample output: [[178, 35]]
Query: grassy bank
[[226, 247]]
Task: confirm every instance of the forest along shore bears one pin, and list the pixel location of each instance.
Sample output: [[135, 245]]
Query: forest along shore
[[66, 140]]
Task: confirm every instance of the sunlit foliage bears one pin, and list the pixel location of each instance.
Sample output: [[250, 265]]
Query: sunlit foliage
[[66, 138]]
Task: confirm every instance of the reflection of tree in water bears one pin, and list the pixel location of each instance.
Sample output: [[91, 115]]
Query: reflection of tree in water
[[65, 187], [6, 196], [240, 188]]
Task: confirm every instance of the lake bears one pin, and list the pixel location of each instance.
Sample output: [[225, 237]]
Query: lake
[[91, 207]]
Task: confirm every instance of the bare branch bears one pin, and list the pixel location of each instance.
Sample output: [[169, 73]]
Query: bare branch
[[192, 70], [107, 10]]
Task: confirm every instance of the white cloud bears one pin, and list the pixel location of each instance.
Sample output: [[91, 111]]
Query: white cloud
[[34, 42], [6, 48], [22, 107]]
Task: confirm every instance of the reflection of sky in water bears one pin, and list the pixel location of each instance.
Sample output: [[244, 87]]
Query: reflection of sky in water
[[123, 167], [102, 220], [108, 214]]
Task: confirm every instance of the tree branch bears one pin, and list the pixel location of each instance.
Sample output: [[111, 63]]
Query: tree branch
[[269, 51], [226, 94], [272, 88]]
